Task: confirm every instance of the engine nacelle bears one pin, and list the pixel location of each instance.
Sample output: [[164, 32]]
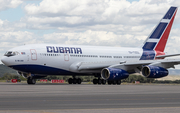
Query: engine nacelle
[[114, 74], [154, 71]]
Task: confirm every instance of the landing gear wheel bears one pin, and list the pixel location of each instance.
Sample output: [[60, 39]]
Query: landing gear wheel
[[119, 82], [31, 80], [79, 81], [109, 82], [70, 80], [95, 81], [74, 80], [99, 81], [28, 81], [114, 82], [103, 81]]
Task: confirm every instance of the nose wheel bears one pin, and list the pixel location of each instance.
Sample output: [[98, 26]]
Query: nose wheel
[[31, 80]]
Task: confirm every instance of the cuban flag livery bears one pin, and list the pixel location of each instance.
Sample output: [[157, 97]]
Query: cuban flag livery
[[107, 64], [156, 42]]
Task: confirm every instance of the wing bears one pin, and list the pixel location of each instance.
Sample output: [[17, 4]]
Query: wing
[[137, 66], [130, 66], [164, 56]]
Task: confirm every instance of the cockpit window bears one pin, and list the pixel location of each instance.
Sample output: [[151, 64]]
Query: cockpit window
[[11, 53]]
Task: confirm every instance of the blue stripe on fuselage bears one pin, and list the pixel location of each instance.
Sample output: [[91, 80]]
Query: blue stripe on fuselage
[[40, 69]]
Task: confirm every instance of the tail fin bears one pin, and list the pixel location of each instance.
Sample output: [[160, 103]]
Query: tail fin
[[158, 38]]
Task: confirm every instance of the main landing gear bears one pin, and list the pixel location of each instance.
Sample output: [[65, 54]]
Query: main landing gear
[[31, 80], [118, 82], [99, 81], [102, 81], [74, 80]]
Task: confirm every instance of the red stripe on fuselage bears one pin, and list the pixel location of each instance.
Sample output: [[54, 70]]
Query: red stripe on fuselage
[[162, 42]]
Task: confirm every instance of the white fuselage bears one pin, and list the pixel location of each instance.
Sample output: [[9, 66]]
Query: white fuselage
[[64, 56]]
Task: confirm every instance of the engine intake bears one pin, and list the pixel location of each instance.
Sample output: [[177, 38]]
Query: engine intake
[[114, 74], [154, 71]]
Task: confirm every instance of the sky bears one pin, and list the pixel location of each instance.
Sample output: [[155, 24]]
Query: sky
[[119, 23]]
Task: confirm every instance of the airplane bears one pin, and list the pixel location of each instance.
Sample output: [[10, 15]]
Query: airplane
[[109, 64]]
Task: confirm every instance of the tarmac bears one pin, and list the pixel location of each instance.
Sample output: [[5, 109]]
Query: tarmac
[[65, 98]]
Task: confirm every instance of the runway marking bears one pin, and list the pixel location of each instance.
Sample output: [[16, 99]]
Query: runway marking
[[93, 100], [48, 111], [132, 96]]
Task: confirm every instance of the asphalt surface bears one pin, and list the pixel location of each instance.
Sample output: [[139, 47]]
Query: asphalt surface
[[65, 98]]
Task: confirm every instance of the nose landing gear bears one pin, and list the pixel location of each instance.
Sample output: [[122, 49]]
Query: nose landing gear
[[31, 80]]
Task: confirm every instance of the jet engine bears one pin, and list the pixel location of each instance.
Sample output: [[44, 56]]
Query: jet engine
[[114, 74], [150, 71]]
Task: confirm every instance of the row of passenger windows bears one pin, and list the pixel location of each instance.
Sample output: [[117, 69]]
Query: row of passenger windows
[[44, 54], [131, 56], [83, 55], [95, 56], [105, 56], [117, 56]]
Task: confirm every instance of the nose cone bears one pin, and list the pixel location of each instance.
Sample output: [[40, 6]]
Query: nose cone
[[4, 60]]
